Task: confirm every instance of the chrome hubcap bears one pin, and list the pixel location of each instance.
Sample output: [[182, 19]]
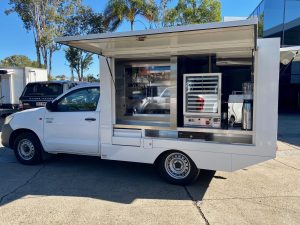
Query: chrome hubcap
[[26, 149], [177, 165]]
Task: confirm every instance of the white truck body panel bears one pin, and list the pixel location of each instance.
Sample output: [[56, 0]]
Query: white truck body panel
[[214, 156], [69, 132]]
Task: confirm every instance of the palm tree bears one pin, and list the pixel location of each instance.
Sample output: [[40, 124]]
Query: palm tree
[[117, 11]]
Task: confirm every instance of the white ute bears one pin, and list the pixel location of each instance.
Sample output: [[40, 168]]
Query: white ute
[[191, 132]]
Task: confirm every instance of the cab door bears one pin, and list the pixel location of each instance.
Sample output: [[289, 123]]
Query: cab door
[[72, 123]]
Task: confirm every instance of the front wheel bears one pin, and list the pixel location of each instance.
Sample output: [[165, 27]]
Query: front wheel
[[177, 168], [231, 121], [28, 149]]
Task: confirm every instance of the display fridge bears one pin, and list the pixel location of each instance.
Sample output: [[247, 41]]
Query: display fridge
[[202, 100]]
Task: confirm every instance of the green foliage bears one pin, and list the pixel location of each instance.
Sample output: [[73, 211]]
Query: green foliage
[[79, 61], [46, 19], [60, 77], [163, 7], [84, 21], [117, 11], [91, 78], [50, 77], [193, 11], [261, 25], [18, 61]]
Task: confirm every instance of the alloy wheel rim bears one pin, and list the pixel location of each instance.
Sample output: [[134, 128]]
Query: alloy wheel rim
[[26, 149], [177, 166]]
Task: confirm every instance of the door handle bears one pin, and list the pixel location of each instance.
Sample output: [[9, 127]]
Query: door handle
[[90, 119]]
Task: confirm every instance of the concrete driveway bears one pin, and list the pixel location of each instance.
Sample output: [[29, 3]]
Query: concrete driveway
[[87, 190]]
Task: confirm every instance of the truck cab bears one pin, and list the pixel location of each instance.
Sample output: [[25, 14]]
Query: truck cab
[[68, 124]]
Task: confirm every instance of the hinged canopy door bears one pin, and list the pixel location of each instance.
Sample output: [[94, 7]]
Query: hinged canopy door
[[191, 39]]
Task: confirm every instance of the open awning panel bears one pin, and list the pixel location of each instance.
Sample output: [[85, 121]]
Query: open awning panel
[[289, 54], [193, 39]]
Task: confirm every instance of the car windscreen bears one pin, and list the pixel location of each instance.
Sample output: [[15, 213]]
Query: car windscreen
[[43, 89]]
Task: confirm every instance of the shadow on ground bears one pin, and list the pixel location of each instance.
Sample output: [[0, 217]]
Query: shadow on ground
[[289, 129], [90, 177]]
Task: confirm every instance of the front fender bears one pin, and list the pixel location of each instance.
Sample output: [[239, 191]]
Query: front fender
[[32, 119]]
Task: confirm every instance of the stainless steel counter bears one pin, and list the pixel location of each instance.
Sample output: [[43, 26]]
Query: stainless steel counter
[[233, 131]]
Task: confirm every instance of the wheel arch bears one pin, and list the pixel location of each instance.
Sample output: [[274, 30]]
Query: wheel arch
[[169, 151], [17, 132]]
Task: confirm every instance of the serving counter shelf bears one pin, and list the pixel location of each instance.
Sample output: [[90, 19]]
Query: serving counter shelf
[[233, 131]]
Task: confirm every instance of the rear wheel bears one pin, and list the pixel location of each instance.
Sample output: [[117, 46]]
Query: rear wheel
[[28, 149], [177, 168]]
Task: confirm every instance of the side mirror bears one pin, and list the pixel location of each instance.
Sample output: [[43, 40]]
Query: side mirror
[[51, 106]]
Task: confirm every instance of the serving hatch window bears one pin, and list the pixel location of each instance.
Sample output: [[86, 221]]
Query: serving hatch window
[[144, 93]]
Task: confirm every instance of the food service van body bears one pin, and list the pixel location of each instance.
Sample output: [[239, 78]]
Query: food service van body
[[164, 99]]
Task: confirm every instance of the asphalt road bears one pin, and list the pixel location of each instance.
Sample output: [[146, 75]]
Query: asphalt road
[[87, 190]]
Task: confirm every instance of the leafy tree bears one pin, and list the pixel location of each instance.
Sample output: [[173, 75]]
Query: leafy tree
[[91, 78], [61, 77], [163, 7], [79, 61], [83, 21], [46, 19], [117, 11], [193, 11], [261, 25], [18, 61]]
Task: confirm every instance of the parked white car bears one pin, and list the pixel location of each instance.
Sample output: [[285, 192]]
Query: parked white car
[[235, 107], [70, 124]]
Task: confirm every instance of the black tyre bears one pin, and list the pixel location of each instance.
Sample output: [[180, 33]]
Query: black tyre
[[177, 168], [231, 121], [28, 149]]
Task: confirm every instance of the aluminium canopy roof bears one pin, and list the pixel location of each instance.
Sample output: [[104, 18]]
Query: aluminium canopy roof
[[237, 36]]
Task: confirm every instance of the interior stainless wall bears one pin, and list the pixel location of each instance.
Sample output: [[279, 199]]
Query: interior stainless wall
[[152, 121]]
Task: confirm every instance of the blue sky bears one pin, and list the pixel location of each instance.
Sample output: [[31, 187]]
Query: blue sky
[[15, 40]]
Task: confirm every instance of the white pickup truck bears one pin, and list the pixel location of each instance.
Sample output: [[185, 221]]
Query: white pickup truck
[[73, 123], [69, 124]]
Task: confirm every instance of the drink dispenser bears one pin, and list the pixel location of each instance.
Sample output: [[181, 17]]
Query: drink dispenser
[[247, 111]]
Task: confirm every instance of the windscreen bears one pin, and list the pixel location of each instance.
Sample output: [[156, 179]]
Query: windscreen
[[43, 89]]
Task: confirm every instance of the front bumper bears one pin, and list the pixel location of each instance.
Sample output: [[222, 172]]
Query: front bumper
[[5, 135]]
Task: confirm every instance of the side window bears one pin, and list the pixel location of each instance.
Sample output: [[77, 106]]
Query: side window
[[79, 100]]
